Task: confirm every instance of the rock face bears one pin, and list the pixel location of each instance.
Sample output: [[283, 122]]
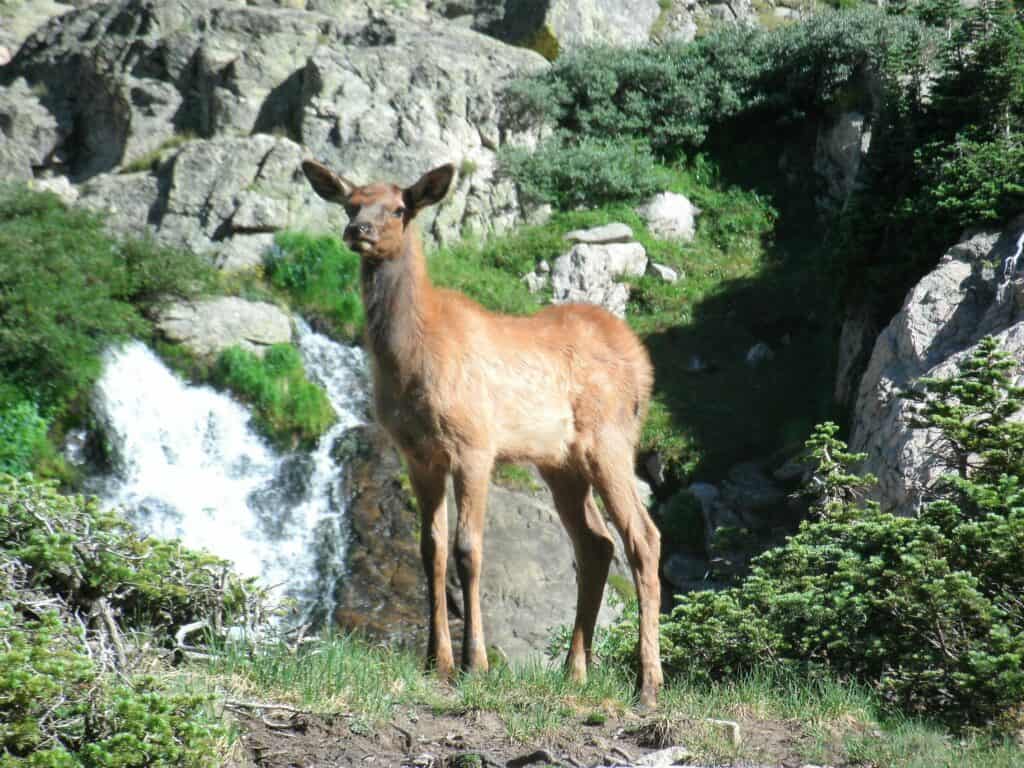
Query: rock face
[[586, 274], [209, 326], [528, 584], [552, 27], [839, 152], [965, 298], [213, 103]]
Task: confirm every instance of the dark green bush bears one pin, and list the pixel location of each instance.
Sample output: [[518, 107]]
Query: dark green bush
[[67, 289], [290, 409], [321, 276], [672, 95], [928, 608], [568, 173]]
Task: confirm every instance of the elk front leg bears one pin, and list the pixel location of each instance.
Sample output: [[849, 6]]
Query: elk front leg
[[471, 481], [428, 485]]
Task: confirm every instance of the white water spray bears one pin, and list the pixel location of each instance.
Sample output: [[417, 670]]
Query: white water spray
[[187, 464], [1010, 268]]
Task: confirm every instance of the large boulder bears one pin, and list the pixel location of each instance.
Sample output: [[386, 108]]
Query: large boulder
[[209, 326], [29, 134], [202, 97], [528, 585], [965, 298]]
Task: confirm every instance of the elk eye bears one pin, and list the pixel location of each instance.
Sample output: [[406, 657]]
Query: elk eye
[[398, 213]]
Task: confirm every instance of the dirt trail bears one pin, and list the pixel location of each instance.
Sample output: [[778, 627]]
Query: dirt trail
[[420, 738]]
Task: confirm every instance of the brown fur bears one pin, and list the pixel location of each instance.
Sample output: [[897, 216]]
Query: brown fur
[[459, 387]]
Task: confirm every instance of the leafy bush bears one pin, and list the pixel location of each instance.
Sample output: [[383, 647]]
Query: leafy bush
[[928, 609], [290, 409], [22, 432], [75, 583], [322, 276], [673, 95], [589, 171], [67, 289]]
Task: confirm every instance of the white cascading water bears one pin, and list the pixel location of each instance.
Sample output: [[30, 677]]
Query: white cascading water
[[188, 465], [1010, 267]]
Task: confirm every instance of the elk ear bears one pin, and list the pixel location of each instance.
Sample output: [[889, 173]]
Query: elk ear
[[326, 183], [430, 189]]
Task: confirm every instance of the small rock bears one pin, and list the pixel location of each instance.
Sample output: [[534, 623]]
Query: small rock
[[61, 186], [543, 268], [670, 216], [534, 282], [758, 354], [667, 274], [664, 757], [608, 233], [697, 364], [728, 728]]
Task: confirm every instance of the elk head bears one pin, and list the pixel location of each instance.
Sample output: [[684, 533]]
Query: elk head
[[378, 214]]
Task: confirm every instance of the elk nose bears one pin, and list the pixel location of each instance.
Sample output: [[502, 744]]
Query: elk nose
[[358, 230]]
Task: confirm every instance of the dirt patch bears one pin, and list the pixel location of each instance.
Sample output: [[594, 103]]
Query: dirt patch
[[421, 738]]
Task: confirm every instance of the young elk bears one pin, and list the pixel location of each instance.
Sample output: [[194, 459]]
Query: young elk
[[458, 388]]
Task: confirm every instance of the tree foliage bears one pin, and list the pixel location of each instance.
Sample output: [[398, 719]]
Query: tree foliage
[[928, 609]]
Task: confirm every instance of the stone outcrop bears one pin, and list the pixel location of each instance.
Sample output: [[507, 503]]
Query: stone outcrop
[[966, 297], [587, 274], [839, 153], [528, 585], [211, 104], [208, 326]]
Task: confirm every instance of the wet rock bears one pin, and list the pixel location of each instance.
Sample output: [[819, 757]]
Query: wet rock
[[759, 354]]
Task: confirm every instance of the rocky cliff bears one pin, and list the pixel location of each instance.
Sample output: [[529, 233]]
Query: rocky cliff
[[976, 290]]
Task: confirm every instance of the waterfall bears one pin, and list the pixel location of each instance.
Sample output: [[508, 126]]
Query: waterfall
[[186, 463], [1010, 267]]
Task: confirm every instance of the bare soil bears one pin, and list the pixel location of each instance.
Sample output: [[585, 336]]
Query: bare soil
[[420, 738]]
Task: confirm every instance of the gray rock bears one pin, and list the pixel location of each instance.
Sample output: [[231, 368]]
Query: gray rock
[[375, 95], [759, 354], [856, 339], [61, 186], [29, 134], [587, 272], [665, 274], [751, 493], [942, 319], [535, 282], [663, 758], [685, 571], [608, 233], [243, 253], [730, 729], [553, 27], [209, 326], [670, 216]]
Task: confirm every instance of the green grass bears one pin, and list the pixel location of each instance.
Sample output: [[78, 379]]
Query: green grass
[[289, 408], [320, 277], [822, 718]]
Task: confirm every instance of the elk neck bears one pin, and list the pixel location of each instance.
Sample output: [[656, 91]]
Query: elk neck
[[395, 296]]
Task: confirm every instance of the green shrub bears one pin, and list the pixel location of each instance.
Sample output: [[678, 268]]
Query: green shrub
[[682, 524], [590, 171], [76, 585], [926, 608], [22, 433], [672, 95], [290, 409], [321, 276], [67, 290]]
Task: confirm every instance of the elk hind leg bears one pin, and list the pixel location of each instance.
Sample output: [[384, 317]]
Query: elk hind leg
[[594, 549], [613, 476], [471, 481]]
